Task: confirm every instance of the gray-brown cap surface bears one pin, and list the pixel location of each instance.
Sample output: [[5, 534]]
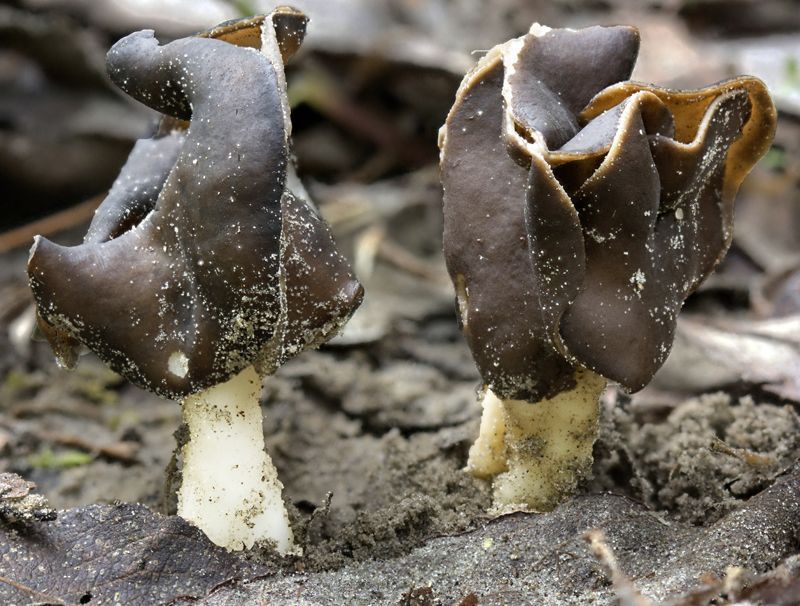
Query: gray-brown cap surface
[[202, 259], [582, 209]]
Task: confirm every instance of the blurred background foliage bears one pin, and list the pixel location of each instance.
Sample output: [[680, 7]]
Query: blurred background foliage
[[370, 89]]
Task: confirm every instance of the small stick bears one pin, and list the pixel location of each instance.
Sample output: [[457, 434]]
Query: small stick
[[753, 459], [33, 592], [403, 259], [627, 594], [123, 451], [49, 225], [325, 95]]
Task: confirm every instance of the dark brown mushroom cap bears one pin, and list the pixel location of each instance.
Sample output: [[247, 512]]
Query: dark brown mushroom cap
[[191, 269], [581, 211], [321, 292], [135, 191]]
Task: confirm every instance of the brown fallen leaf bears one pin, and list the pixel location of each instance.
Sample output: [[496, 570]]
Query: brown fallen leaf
[[542, 559], [709, 354], [113, 554]]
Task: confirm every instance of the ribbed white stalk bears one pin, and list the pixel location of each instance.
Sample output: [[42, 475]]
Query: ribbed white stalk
[[230, 487]]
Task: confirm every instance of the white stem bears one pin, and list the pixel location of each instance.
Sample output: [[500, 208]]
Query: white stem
[[487, 455], [537, 451], [230, 487]]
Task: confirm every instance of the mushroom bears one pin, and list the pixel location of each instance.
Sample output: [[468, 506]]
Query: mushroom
[[581, 210], [206, 267]]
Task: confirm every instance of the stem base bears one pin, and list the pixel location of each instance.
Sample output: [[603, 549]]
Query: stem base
[[537, 452]]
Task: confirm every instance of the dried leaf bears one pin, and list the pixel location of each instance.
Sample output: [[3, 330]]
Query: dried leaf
[[542, 559], [708, 355], [113, 554]]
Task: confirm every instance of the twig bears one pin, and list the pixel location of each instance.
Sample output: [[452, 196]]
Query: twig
[[20, 587], [753, 459], [320, 91], [403, 259], [52, 224], [374, 243], [366, 251], [124, 451], [627, 594]]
